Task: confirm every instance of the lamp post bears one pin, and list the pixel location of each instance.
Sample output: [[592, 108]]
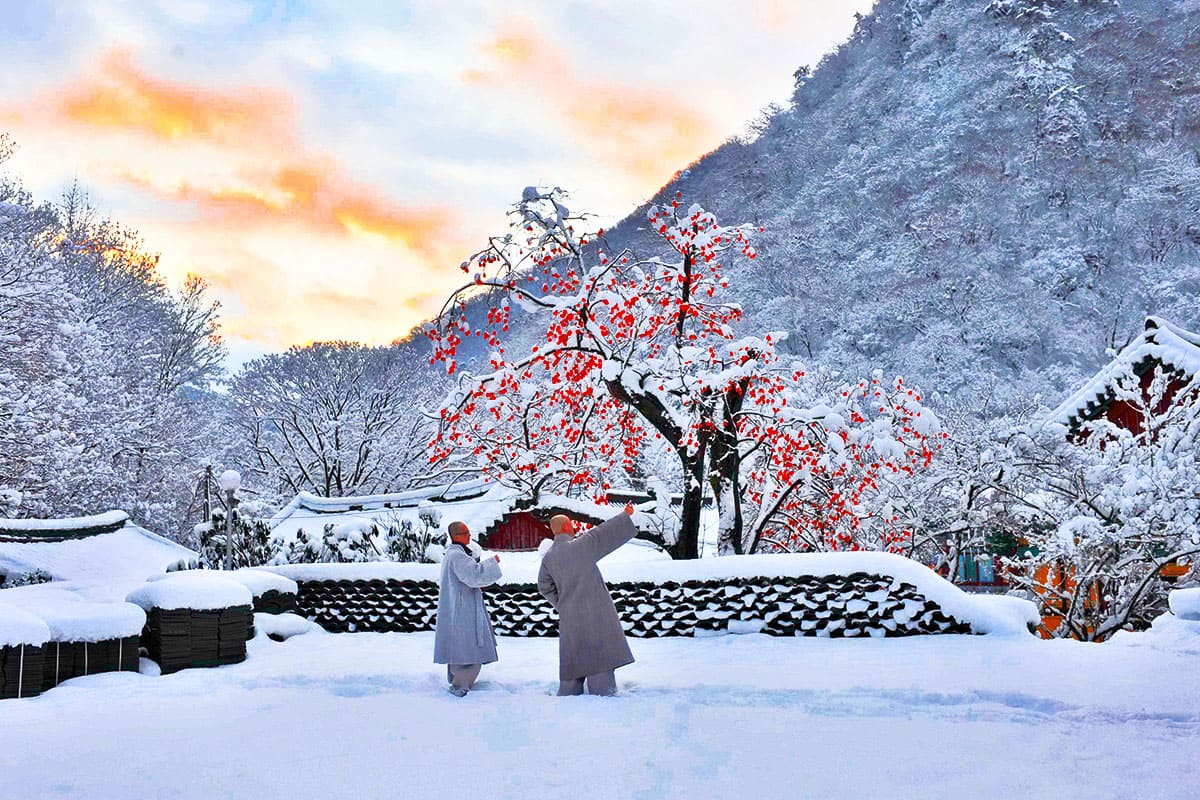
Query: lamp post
[[229, 482]]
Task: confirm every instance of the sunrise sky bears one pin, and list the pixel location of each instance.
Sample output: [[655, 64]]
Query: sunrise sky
[[326, 165]]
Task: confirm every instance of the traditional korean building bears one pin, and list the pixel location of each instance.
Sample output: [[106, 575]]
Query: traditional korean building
[[501, 518], [104, 546], [1160, 344]]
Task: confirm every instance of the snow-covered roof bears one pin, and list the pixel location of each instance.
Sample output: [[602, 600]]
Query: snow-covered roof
[[61, 528], [80, 549], [1160, 342], [378, 502], [480, 504]]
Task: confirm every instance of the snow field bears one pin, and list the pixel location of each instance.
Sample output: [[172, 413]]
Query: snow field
[[366, 715]]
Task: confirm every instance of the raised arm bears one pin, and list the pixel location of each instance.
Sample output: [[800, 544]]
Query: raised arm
[[608, 536], [547, 586], [467, 570]]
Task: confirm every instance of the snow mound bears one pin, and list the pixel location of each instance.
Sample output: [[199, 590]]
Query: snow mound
[[1185, 603], [260, 581], [197, 589], [92, 622], [1167, 633], [18, 627], [284, 626]]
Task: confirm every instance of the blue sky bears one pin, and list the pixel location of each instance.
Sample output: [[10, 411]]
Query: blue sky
[[326, 164]]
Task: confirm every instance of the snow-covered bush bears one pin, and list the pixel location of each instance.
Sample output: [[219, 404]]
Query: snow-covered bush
[[13, 580], [300, 549], [350, 542], [406, 541], [253, 544]]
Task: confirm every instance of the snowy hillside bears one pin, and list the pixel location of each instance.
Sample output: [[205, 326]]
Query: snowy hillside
[[982, 196]]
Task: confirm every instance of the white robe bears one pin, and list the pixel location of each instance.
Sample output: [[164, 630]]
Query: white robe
[[464, 631]]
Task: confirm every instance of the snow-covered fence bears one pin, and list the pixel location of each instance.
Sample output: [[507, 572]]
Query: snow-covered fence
[[831, 595], [76, 638], [22, 648], [87, 638]]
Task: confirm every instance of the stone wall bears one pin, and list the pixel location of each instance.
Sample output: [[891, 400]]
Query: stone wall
[[857, 604]]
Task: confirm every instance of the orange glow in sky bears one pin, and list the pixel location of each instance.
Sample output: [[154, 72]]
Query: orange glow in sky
[[325, 168]]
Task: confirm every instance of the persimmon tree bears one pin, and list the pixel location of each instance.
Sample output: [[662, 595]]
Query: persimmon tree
[[822, 476], [639, 349]]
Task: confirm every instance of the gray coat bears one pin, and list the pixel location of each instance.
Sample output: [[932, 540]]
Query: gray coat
[[464, 632], [590, 638]]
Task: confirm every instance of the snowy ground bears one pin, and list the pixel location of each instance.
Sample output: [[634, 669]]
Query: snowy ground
[[365, 716]]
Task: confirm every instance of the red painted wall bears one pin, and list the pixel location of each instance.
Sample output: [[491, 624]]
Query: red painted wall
[[520, 531], [1121, 413]]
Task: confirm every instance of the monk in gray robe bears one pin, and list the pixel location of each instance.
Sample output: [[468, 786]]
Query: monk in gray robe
[[464, 640], [591, 643]]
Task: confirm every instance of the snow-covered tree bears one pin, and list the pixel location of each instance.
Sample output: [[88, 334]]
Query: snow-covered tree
[[253, 544], [103, 369], [333, 418], [1105, 510], [828, 476], [639, 348]]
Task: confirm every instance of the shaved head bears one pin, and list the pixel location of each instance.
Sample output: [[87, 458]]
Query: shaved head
[[458, 530], [561, 523]]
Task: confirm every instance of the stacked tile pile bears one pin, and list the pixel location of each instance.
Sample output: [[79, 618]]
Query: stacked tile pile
[[182, 637], [21, 668]]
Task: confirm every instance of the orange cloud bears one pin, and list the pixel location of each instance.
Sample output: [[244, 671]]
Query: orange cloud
[[266, 173], [315, 195], [648, 133], [297, 247], [117, 95]]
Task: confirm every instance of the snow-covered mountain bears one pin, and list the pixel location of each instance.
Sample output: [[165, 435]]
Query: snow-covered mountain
[[982, 196]]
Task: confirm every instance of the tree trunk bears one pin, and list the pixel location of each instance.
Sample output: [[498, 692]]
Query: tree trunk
[[724, 473], [688, 543]]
